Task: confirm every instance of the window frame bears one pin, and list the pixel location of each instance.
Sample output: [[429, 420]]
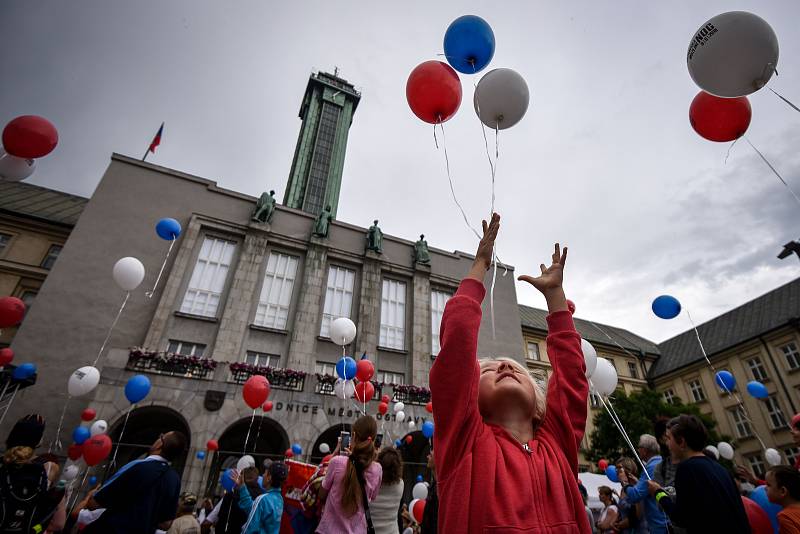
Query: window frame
[[326, 318], [538, 356], [436, 318], [5, 247], [398, 329], [792, 355], [757, 464], [259, 355], [280, 311], [381, 376], [181, 343], [669, 395], [762, 375], [49, 255], [189, 307], [741, 426], [323, 368], [693, 391], [633, 370], [775, 413]]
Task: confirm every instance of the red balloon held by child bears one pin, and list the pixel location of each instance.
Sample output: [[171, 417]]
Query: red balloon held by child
[[433, 91], [419, 510], [719, 119]]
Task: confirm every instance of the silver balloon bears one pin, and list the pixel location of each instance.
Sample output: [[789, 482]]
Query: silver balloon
[[501, 98]]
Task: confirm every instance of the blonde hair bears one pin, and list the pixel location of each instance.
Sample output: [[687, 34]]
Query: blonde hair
[[540, 403], [18, 455]]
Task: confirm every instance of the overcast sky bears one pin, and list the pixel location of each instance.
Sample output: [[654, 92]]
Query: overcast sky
[[604, 161]]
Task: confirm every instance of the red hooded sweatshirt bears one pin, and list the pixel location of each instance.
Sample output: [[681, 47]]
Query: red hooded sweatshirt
[[487, 481]]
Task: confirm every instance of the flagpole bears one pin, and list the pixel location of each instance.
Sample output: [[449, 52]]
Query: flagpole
[[150, 146], [146, 153]]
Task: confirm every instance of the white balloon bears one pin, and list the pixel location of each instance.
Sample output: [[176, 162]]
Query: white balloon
[[604, 379], [713, 450], [733, 54], [344, 389], [14, 169], [773, 457], [411, 424], [501, 98], [128, 273], [70, 472], [98, 427], [324, 448], [725, 450], [400, 416], [589, 356], [420, 491], [245, 462], [398, 406], [343, 331], [83, 381]]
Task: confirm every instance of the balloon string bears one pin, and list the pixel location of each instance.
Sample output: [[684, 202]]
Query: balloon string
[[10, 402], [57, 439], [776, 93], [618, 423], [111, 330], [78, 491], [258, 434], [772, 169], [452, 188], [249, 428], [729, 150], [150, 294], [122, 432]]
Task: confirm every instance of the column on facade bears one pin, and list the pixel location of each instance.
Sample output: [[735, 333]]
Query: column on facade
[[369, 308], [421, 326], [302, 349]]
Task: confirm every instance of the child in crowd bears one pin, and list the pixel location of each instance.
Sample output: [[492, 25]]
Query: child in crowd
[[265, 511], [783, 487], [506, 457], [185, 522]]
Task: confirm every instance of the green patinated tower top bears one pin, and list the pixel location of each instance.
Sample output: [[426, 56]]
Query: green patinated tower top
[[316, 175]]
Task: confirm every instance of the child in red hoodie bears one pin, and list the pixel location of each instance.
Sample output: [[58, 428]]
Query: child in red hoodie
[[507, 460]]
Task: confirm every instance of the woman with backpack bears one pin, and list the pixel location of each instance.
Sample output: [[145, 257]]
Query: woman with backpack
[[351, 483]]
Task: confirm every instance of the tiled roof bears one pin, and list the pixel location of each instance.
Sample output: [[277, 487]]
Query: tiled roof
[[591, 332], [40, 202], [767, 312]]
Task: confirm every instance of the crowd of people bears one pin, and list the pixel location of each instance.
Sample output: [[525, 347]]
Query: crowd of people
[[505, 460]]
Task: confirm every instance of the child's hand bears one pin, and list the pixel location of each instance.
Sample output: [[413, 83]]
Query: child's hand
[[483, 256], [549, 282], [653, 487]]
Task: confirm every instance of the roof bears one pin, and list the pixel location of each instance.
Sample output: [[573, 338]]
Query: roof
[[40, 202], [592, 332], [772, 310]]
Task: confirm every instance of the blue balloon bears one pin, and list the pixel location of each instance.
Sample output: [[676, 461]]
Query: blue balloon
[[346, 368], [168, 229], [759, 495], [297, 449], [201, 455], [397, 443], [611, 473], [227, 480], [666, 307], [137, 388], [427, 429], [469, 44], [92, 481], [80, 434], [24, 371], [757, 389], [726, 380], [419, 478]]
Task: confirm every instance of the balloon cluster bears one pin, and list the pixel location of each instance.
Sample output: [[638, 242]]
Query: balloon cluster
[[433, 88], [25, 139]]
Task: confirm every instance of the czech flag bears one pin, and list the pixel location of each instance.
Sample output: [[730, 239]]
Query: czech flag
[[156, 140]]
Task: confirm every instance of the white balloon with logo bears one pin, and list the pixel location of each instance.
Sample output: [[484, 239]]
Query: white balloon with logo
[[83, 381], [98, 427]]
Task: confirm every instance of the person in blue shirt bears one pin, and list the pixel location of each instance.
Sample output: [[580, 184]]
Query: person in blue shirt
[[264, 513], [636, 490]]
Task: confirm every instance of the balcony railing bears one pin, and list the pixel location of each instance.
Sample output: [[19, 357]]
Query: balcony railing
[[325, 385], [279, 378], [165, 363], [409, 394]]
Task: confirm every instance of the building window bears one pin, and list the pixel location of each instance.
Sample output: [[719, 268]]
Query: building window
[[792, 355], [51, 257], [438, 300], [321, 159], [393, 315], [338, 297], [533, 351], [612, 362], [791, 455], [594, 399], [757, 369], [776, 417], [756, 465], [696, 388], [5, 239], [669, 396], [185, 348], [261, 359], [388, 377], [276, 293], [325, 368], [208, 278], [633, 370], [740, 423]]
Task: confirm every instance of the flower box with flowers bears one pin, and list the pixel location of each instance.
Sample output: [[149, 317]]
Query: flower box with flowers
[[279, 378], [167, 363], [410, 394]]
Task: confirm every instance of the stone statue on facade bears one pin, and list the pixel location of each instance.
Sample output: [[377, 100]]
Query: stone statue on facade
[[323, 223], [421, 253], [265, 207], [375, 238]]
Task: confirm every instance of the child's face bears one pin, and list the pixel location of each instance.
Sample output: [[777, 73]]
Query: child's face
[[774, 493], [503, 384]]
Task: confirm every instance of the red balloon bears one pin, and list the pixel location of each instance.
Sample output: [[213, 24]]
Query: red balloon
[[96, 449], [418, 510], [267, 406], [719, 119], [88, 414], [383, 408], [288, 453], [364, 370], [409, 439], [433, 91], [6, 355], [256, 391], [385, 399], [12, 310], [75, 451], [365, 391], [30, 136], [429, 407], [757, 517], [602, 464], [212, 445], [571, 307]]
